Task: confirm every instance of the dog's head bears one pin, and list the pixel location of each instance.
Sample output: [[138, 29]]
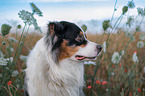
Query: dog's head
[[68, 41]]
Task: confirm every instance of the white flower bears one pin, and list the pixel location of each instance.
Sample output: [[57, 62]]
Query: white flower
[[23, 58], [104, 46], [89, 62], [3, 61], [135, 58], [10, 59], [142, 36], [12, 39], [140, 44], [112, 73], [15, 73], [116, 58]]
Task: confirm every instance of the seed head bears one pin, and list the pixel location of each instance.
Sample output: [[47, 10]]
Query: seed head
[[131, 4], [124, 10], [19, 26], [35, 9], [5, 29], [84, 27], [106, 24]]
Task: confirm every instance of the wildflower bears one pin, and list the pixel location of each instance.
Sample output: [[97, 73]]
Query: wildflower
[[4, 43], [131, 4], [141, 11], [104, 46], [139, 90], [89, 87], [106, 24], [22, 90], [112, 73], [35, 9], [3, 61], [10, 59], [113, 65], [84, 27], [23, 58], [125, 70], [19, 26], [28, 18], [5, 29], [120, 64], [98, 82], [9, 83], [15, 73], [104, 82], [12, 39], [115, 58], [142, 36], [107, 90], [135, 58], [130, 19], [124, 10], [140, 44]]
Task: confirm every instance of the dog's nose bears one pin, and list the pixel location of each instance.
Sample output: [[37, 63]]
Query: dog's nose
[[99, 47]]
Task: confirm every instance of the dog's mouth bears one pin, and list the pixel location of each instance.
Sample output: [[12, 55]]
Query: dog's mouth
[[79, 57]]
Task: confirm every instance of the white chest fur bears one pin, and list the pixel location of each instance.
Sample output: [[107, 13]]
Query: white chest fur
[[45, 78]]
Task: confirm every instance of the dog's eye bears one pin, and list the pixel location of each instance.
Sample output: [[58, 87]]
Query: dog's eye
[[79, 38]]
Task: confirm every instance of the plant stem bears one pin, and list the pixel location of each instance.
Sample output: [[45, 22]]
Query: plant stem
[[2, 44]]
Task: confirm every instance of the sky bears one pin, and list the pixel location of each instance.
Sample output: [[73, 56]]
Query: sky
[[68, 10]]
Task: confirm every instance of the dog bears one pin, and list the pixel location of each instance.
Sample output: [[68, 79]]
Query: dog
[[55, 65]]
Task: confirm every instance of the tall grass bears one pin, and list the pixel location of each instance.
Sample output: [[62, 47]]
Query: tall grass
[[119, 70]]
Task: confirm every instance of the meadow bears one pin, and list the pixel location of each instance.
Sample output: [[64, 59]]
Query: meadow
[[118, 71]]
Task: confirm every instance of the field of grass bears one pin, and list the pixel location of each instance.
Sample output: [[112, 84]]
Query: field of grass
[[125, 78]]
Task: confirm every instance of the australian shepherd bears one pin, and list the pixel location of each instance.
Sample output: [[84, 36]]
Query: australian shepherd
[[55, 65]]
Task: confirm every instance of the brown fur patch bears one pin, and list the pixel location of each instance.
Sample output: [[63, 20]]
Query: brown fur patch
[[67, 51], [81, 33]]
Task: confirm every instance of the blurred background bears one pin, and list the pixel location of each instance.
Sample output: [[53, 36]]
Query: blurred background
[[117, 25], [89, 12]]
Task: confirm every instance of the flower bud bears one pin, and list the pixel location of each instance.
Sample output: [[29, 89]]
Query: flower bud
[[124, 10], [5, 29]]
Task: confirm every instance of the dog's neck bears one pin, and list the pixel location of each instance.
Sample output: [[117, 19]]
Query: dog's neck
[[69, 71]]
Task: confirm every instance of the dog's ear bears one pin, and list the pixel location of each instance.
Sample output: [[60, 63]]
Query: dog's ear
[[55, 28]]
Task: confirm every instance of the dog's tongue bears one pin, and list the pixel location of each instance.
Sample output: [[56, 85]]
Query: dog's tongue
[[80, 57]]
